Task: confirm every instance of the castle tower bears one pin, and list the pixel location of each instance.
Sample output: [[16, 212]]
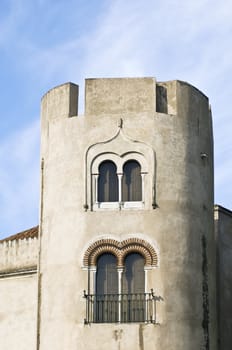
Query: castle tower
[[126, 232]]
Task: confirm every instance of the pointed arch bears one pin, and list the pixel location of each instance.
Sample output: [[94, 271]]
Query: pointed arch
[[120, 148]]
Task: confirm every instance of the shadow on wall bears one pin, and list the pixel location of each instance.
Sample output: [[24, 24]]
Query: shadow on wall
[[161, 99]]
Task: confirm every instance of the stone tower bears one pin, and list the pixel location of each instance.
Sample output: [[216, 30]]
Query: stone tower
[[127, 254]]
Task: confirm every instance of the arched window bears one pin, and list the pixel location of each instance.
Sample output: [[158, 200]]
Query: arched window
[[117, 290], [107, 182], [131, 182], [133, 289], [120, 182], [132, 295], [107, 278], [106, 302], [133, 275]]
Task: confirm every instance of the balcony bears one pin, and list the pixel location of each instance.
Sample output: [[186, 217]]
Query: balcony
[[120, 308]]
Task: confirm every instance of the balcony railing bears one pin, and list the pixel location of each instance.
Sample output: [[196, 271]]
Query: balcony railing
[[122, 308]]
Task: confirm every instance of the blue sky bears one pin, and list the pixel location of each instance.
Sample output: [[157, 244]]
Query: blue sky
[[44, 43]]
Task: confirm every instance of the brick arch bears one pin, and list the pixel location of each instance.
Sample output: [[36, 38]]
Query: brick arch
[[100, 247], [102, 250], [136, 249], [140, 246], [120, 249]]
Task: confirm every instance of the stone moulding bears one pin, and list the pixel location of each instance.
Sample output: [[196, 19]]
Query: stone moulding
[[120, 148]]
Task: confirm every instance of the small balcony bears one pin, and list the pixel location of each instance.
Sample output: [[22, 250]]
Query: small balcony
[[120, 308]]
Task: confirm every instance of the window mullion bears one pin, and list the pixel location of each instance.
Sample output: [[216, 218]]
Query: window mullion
[[143, 187], [119, 188], [120, 270], [92, 291], [96, 176]]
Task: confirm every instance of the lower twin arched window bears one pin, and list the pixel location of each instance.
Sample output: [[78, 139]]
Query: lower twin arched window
[[126, 303], [111, 190], [117, 282]]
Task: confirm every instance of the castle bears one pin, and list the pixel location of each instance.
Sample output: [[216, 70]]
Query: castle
[[130, 251]]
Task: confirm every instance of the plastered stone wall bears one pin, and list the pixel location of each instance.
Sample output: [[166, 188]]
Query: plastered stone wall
[[18, 309], [223, 231], [18, 255], [173, 119], [18, 294]]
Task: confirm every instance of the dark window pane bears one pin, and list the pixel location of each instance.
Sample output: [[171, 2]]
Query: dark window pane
[[107, 277], [107, 182], [133, 289], [106, 302], [133, 275], [131, 182]]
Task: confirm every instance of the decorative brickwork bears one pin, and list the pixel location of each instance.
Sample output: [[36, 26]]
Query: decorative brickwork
[[120, 250]]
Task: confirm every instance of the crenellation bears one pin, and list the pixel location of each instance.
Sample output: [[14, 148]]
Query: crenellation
[[60, 102], [161, 98], [191, 102], [120, 95], [18, 254], [166, 101]]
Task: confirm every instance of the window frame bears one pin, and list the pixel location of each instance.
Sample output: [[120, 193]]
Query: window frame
[[133, 187], [122, 303], [119, 162], [121, 250], [107, 172]]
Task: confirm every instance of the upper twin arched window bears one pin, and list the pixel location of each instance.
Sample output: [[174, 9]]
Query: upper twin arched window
[[114, 187]]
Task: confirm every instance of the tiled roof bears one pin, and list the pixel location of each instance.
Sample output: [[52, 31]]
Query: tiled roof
[[30, 233]]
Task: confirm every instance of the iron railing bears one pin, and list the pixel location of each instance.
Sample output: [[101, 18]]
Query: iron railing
[[122, 308]]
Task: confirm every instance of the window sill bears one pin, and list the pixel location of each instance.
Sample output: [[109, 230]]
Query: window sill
[[118, 206]]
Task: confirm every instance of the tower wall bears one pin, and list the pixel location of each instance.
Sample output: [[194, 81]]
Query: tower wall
[[170, 125]]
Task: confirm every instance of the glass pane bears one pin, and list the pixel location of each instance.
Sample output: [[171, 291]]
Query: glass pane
[[107, 276], [106, 299], [131, 182], [133, 275], [107, 182], [133, 288]]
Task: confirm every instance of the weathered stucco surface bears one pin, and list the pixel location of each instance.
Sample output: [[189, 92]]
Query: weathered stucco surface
[[18, 306], [18, 294], [18, 255], [223, 231]]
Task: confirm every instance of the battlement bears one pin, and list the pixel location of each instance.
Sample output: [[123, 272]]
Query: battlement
[[111, 96], [60, 102], [18, 255], [119, 95]]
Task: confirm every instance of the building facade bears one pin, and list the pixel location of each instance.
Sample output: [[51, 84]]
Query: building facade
[[126, 255]]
